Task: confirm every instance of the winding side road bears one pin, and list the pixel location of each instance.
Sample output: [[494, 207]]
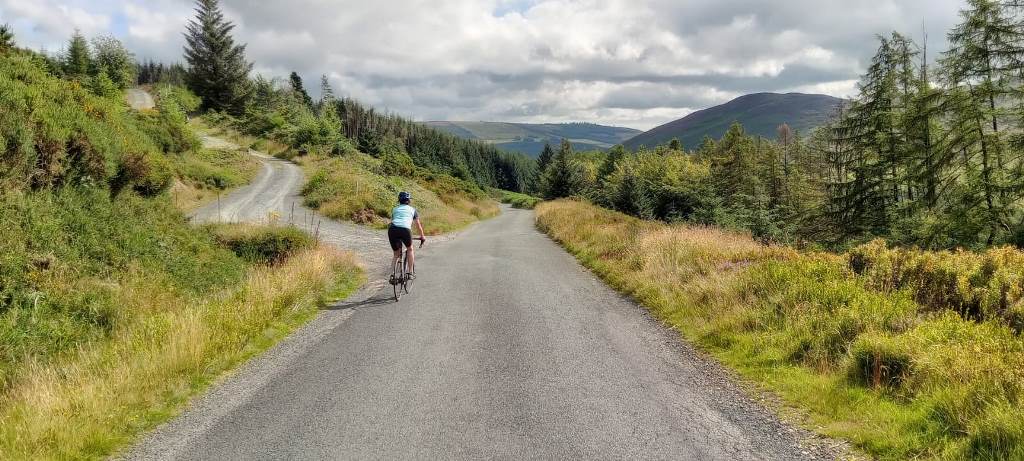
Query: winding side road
[[506, 348], [275, 194]]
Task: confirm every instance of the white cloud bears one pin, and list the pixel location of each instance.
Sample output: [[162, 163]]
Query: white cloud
[[152, 25], [631, 62], [53, 22], [839, 88]]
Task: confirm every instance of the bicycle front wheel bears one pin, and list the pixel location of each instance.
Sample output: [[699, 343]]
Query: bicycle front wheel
[[398, 278], [407, 286]]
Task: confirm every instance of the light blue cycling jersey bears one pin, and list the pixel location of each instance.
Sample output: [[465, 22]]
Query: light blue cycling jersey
[[403, 216]]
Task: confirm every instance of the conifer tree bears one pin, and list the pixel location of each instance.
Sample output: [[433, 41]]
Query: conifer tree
[[218, 71], [923, 113], [327, 97], [326, 91], [674, 144], [559, 178], [77, 62], [611, 161], [706, 150], [296, 83], [546, 155], [6, 38], [733, 165], [984, 49]]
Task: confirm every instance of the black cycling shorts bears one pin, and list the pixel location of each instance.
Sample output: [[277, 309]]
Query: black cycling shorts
[[399, 235]]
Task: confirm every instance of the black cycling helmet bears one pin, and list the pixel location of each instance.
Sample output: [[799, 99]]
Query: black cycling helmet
[[404, 197]]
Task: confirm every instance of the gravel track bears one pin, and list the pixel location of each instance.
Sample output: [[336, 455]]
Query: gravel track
[[139, 99]]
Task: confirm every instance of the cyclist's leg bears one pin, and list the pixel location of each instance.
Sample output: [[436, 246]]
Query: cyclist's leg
[[396, 241], [410, 259]]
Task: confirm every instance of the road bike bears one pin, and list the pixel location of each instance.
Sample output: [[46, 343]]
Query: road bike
[[401, 281]]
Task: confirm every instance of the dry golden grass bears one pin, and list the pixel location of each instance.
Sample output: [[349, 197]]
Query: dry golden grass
[[188, 197], [200, 177], [165, 349]]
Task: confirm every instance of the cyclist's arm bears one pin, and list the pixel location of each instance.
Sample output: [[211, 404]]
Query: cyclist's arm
[[420, 226]]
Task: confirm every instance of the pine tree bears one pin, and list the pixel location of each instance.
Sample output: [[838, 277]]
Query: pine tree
[[984, 50], [218, 71], [706, 151], [921, 125], [733, 165], [77, 62], [674, 144], [6, 38], [103, 85], [559, 178], [611, 161], [876, 181], [546, 155], [296, 83]]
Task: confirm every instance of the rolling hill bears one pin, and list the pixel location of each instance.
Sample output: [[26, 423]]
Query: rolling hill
[[529, 138], [759, 113]]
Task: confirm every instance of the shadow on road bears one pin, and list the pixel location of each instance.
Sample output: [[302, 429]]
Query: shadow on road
[[376, 300]]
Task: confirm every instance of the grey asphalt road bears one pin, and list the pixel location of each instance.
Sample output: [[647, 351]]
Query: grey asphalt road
[[506, 348], [139, 99]]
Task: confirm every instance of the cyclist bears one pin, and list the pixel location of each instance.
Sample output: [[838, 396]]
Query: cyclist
[[400, 231]]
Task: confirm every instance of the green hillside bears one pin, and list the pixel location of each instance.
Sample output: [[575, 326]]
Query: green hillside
[[114, 310], [529, 138], [759, 113]]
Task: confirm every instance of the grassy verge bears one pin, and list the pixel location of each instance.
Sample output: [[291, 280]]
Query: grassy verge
[[907, 354], [354, 187], [115, 312], [205, 173], [517, 200]]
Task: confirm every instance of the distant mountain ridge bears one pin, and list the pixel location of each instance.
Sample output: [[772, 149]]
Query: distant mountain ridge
[[759, 113], [529, 138]]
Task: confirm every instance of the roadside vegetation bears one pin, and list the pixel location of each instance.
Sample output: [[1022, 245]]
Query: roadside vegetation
[[869, 272], [928, 155], [517, 200], [116, 312], [357, 187], [113, 309], [906, 353], [204, 174]]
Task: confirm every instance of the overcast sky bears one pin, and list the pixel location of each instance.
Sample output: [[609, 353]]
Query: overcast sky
[[636, 63]]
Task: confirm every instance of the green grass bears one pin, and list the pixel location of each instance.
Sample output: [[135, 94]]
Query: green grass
[[517, 200], [262, 244], [203, 174], [114, 312], [907, 354], [353, 187]]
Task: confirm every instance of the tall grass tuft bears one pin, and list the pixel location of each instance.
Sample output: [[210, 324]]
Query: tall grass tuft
[[268, 245]]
